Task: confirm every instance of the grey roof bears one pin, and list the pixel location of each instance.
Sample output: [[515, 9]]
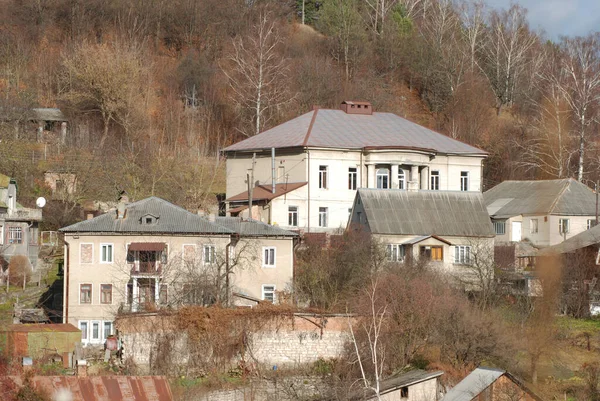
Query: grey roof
[[408, 379], [47, 114], [581, 240], [565, 197], [253, 228], [171, 219], [442, 213], [335, 129], [472, 385]]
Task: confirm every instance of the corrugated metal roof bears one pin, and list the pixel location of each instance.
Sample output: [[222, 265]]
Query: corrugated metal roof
[[581, 240], [408, 379], [47, 114], [171, 219], [264, 192], [337, 129], [442, 213], [558, 197], [477, 381], [252, 228], [104, 388]]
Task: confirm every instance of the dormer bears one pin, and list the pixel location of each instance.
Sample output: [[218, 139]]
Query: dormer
[[148, 219], [350, 107]]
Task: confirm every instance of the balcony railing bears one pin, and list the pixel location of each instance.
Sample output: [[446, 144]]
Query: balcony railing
[[24, 214], [150, 268]]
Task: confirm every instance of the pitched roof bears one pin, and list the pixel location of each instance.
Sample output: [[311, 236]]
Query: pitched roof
[[171, 219], [442, 213], [325, 128], [264, 192], [408, 379], [477, 381], [581, 240], [557, 197]]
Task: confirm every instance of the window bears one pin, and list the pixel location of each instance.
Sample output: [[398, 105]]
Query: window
[[15, 235], [591, 223], [189, 253], [403, 392], [464, 180], [500, 227], [322, 217], [395, 253], [86, 253], [148, 220], [383, 178], [269, 257], [163, 294], [106, 253], [208, 254], [83, 326], [435, 253], [323, 177], [85, 293], [533, 226], [352, 178], [563, 226], [95, 332], [108, 330], [268, 293], [462, 254], [106, 293], [293, 216], [401, 179], [435, 181]]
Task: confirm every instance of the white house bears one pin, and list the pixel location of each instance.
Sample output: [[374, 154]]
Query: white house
[[306, 171], [451, 230], [544, 212], [152, 254]]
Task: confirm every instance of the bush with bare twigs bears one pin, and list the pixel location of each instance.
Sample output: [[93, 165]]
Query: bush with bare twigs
[[19, 270]]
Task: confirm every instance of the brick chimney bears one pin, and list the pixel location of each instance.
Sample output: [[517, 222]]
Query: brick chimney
[[350, 107]]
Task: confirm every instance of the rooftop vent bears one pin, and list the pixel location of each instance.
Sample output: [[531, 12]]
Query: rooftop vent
[[357, 107]]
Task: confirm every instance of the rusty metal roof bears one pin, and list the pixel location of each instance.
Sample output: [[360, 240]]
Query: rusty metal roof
[[104, 388], [59, 328], [323, 128], [264, 192]]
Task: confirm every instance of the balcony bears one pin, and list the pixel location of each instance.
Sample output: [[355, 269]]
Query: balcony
[[146, 268], [22, 214]]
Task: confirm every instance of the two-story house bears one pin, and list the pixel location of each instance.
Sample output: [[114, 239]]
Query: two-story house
[[19, 233], [544, 212], [152, 254], [304, 173]]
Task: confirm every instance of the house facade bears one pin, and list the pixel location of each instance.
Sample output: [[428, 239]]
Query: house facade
[[449, 230], [19, 232], [544, 213], [151, 254], [304, 173]]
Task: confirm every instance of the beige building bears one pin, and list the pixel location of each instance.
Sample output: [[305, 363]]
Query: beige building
[[305, 172], [152, 254], [544, 213], [450, 230]]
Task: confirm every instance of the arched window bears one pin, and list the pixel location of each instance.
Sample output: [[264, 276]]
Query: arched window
[[383, 178], [401, 179]]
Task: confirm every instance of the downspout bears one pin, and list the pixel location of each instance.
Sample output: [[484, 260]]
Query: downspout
[[309, 184], [66, 285], [297, 241], [272, 170], [232, 241]]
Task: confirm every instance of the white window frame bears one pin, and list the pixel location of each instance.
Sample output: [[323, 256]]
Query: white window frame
[[2, 234], [112, 253], [395, 253], [98, 339], [323, 216], [112, 287], [293, 216], [534, 226], [183, 256], [434, 181], [263, 292], [80, 258], [498, 224], [85, 332], [91, 294], [590, 223], [323, 176], [381, 174], [401, 179], [561, 226], [352, 178], [269, 256], [462, 255], [112, 329], [212, 256], [464, 180], [18, 231]]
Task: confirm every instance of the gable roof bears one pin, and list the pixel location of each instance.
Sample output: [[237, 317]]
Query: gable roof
[[252, 228], [477, 381], [324, 128], [408, 379], [171, 219], [264, 192], [441, 213], [579, 241], [557, 197]]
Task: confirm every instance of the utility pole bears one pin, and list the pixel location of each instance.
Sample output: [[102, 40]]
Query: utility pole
[[596, 190]]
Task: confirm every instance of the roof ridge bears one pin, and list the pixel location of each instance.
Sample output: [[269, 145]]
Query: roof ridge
[[567, 184], [310, 126]]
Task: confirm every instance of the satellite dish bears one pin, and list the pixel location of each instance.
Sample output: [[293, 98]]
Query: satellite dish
[[41, 201]]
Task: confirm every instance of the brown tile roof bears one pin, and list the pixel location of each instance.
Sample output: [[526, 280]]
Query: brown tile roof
[[263, 192], [336, 129]]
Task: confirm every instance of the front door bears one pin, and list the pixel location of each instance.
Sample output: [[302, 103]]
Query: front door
[[515, 231]]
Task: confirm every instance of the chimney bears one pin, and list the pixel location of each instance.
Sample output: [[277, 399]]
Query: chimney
[[81, 368], [89, 216], [212, 218], [201, 212], [123, 200], [350, 107]]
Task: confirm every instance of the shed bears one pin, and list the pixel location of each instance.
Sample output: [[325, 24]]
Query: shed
[[39, 340]]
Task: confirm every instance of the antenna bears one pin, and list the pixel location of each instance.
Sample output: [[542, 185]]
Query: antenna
[[40, 202]]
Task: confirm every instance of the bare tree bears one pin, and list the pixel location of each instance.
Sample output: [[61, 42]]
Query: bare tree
[[259, 77], [477, 271], [473, 20], [377, 12]]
